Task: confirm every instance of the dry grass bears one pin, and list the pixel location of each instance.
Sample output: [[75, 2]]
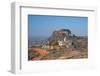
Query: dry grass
[[40, 54]]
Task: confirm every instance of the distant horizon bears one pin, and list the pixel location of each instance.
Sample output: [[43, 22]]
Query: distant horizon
[[44, 25], [48, 36]]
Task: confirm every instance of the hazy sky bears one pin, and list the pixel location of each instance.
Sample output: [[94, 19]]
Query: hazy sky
[[43, 25]]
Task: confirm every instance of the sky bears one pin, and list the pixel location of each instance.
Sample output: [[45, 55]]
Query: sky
[[43, 25]]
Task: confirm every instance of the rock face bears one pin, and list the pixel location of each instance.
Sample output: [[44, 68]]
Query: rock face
[[60, 37], [63, 37]]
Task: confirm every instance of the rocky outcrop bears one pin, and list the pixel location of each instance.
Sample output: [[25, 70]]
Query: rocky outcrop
[[80, 43], [60, 37]]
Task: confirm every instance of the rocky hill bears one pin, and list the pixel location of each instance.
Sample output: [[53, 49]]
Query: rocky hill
[[59, 35], [62, 44]]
